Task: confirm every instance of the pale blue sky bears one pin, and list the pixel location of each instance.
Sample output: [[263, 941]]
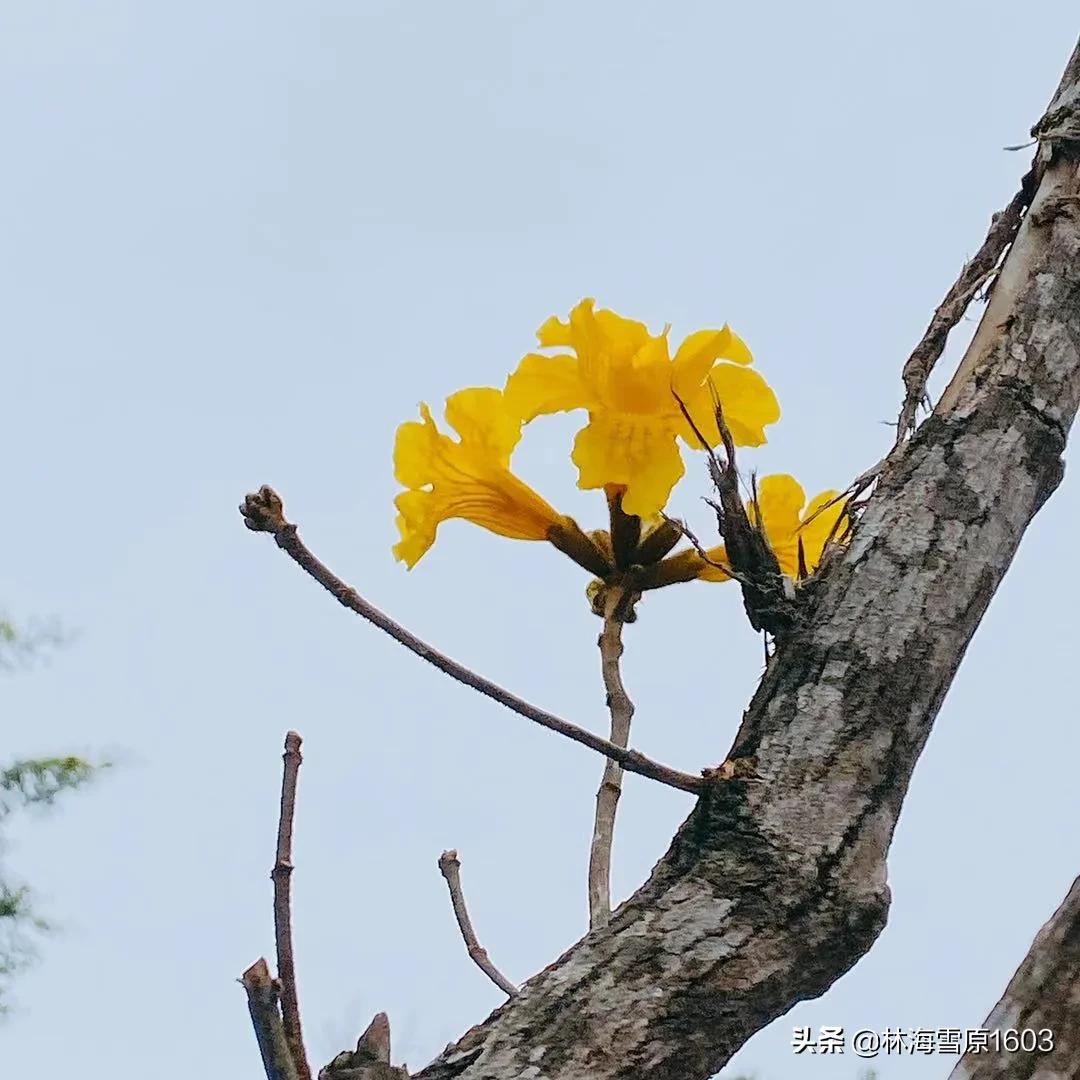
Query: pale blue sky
[[239, 243]]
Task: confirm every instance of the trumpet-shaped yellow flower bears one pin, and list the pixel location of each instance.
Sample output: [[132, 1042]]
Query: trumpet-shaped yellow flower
[[466, 478], [632, 386], [780, 513]]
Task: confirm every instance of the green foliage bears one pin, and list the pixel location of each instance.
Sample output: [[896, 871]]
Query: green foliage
[[38, 781], [27, 784], [22, 645], [24, 784]]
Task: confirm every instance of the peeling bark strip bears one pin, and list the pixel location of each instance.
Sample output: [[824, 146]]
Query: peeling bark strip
[[975, 274], [771, 891], [1044, 995]]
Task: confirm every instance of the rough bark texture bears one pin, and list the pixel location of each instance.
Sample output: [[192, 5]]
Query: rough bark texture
[[771, 891], [1044, 995]]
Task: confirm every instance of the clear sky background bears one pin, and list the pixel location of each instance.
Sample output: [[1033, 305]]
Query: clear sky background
[[238, 244]]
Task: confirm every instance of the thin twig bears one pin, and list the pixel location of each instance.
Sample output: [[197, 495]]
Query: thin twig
[[263, 512], [266, 1020], [975, 274], [607, 796], [281, 876], [715, 467], [725, 431], [703, 554], [450, 867], [857, 486]]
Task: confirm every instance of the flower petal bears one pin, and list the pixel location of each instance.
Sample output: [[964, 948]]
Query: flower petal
[[500, 503], [481, 417], [697, 354], [779, 502], [622, 337], [637, 452], [414, 449], [748, 402], [555, 332], [709, 572], [613, 357], [546, 384], [416, 525], [737, 351], [639, 382], [507, 506], [469, 479]]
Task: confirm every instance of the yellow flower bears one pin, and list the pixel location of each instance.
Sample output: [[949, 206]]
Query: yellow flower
[[779, 512], [466, 478], [632, 386]]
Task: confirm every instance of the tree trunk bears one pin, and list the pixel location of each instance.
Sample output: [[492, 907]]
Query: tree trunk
[[771, 891]]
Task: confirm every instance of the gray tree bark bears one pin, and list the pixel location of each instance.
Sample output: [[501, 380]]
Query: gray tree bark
[[771, 891], [1043, 996]]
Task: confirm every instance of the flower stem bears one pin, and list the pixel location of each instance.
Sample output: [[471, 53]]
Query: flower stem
[[621, 709]]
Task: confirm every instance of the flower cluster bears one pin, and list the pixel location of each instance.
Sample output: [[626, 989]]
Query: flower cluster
[[644, 407]]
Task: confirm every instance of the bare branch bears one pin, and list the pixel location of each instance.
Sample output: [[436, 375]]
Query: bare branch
[[263, 512], [450, 867], [607, 796], [266, 1019], [281, 876], [1042, 997]]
